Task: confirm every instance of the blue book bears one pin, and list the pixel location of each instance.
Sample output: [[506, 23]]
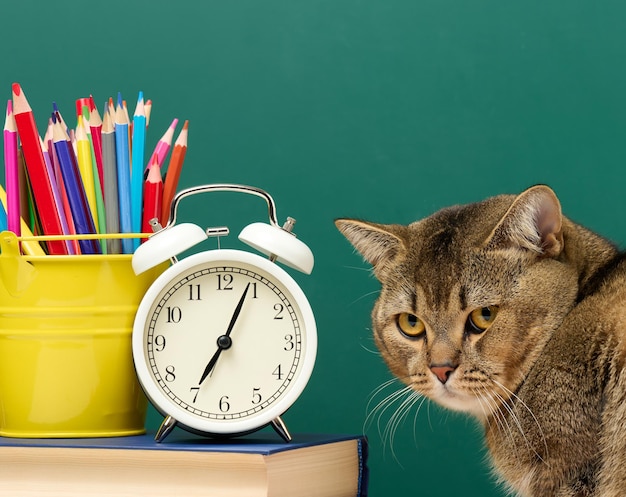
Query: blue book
[[261, 464]]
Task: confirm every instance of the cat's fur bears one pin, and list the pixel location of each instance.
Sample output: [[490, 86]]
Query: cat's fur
[[547, 378]]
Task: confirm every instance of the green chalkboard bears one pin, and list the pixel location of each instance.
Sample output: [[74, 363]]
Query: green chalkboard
[[379, 109]]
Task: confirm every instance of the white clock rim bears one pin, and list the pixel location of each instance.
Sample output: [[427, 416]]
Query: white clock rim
[[224, 427]]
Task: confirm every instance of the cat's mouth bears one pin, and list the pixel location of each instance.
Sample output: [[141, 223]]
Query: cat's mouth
[[452, 397]]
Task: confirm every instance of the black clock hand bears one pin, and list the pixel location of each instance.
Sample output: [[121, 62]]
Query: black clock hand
[[224, 341]]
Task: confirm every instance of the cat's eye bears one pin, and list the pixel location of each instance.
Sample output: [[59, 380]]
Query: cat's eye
[[482, 318], [410, 325]]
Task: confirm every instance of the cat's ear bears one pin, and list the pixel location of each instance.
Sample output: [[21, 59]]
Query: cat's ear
[[377, 243], [533, 222]]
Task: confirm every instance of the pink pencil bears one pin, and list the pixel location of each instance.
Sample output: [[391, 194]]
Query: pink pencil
[[164, 144], [11, 171], [95, 125]]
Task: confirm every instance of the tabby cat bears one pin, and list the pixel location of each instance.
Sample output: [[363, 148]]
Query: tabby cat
[[509, 311]]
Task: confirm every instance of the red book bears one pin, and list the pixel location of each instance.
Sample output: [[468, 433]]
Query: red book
[[40, 182]]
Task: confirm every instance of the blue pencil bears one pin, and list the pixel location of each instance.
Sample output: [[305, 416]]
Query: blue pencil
[[123, 173], [83, 222], [3, 218], [136, 181]]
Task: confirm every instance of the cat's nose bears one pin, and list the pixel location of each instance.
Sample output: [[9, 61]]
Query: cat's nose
[[442, 372]]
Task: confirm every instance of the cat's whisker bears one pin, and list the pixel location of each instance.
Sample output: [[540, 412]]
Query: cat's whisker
[[373, 292], [503, 424], [525, 406], [417, 411], [513, 415], [401, 402], [366, 269], [379, 389], [383, 406], [400, 414]]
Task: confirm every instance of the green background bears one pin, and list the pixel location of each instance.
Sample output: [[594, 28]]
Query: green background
[[379, 109]]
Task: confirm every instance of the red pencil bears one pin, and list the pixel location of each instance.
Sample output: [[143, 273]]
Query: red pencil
[[173, 172], [37, 172], [152, 195]]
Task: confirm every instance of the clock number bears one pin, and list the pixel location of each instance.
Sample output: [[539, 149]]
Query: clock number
[[224, 281], [194, 292], [174, 314], [224, 405], [194, 391], [289, 345], [254, 290], [169, 374], [256, 396], [279, 308], [278, 372], [159, 343]]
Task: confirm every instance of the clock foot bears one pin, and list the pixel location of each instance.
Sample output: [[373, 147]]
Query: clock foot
[[165, 429], [279, 426]]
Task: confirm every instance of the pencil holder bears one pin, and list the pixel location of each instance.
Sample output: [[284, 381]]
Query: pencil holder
[[66, 367]]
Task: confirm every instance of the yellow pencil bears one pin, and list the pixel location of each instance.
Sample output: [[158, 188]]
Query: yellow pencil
[[30, 247]]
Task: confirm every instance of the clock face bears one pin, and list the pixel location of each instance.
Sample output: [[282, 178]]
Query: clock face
[[224, 341]]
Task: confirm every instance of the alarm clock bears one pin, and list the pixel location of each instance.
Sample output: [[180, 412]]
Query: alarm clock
[[224, 341]]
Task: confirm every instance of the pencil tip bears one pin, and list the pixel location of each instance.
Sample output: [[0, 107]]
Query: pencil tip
[[119, 98], [17, 89]]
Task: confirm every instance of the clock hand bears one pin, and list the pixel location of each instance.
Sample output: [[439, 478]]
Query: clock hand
[[224, 341]]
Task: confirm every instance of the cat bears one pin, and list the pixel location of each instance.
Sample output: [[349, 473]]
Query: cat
[[507, 310]]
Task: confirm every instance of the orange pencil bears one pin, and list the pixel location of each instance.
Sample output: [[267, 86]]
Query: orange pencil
[[37, 172], [148, 111], [173, 172], [152, 195]]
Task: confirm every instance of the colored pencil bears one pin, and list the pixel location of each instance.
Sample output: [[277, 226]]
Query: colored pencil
[[153, 195], [23, 183], [11, 166], [123, 173], [4, 223], [85, 166], [95, 125], [58, 198], [83, 220], [173, 172], [49, 144], [30, 247], [148, 111], [111, 199], [37, 172], [136, 180], [164, 144]]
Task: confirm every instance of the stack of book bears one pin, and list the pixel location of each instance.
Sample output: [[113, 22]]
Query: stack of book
[[185, 465]]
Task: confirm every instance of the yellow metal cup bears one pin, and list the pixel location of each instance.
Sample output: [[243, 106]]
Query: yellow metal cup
[[66, 367]]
